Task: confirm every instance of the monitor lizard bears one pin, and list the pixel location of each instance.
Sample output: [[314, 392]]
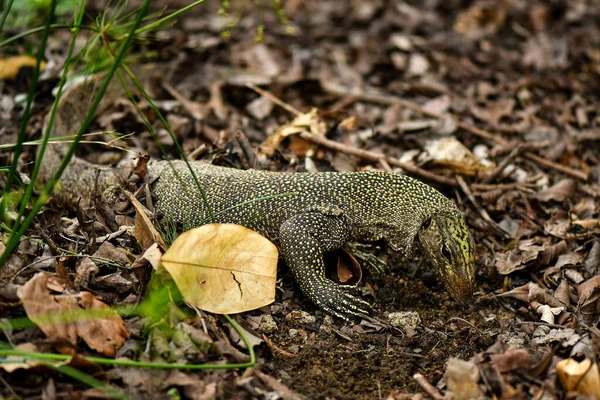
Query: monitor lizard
[[304, 214]]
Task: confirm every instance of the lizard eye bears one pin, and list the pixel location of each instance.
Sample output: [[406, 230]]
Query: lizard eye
[[426, 224], [446, 252]]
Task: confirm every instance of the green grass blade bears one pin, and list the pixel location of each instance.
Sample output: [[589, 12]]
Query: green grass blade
[[14, 237], [27, 196], [41, 28], [10, 180], [7, 350], [139, 86], [88, 380], [5, 13]]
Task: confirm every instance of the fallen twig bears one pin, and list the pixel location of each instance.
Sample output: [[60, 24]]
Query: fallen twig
[[375, 157], [428, 387], [484, 214]]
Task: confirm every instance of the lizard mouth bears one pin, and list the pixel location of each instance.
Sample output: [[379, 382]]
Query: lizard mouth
[[460, 287]]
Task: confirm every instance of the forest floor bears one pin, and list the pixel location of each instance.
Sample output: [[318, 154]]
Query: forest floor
[[496, 101]]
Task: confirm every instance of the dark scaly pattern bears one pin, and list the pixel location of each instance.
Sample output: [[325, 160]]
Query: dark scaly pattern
[[309, 214]]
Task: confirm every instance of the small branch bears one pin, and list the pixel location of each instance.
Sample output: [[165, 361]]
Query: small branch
[[484, 214], [247, 149], [375, 157], [274, 99], [382, 160], [500, 167], [559, 167], [428, 387]]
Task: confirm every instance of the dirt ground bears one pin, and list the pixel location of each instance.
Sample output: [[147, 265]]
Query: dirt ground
[[493, 103]]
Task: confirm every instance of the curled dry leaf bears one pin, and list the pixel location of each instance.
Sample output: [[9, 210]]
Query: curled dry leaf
[[451, 155], [108, 251], [532, 292], [524, 252], [54, 316], [589, 298], [223, 268], [348, 269], [558, 192], [582, 377], [511, 360], [307, 122], [145, 232], [562, 293], [462, 379], [548, 312]]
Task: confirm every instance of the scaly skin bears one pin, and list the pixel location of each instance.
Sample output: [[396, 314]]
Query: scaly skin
[[322, 212]]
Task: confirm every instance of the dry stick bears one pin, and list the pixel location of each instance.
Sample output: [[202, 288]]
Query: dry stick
[[274, 99], [384, 165], [376, 157], [428, 387], [247, 149], [376, 97], [484, 214], [559, 167], [500, 167], [385, 161]]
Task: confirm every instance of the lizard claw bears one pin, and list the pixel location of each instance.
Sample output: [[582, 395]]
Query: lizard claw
[[341, 300]]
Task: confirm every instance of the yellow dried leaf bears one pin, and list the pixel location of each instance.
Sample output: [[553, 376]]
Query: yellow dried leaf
[[223, 268], [307, 122], [451, 155], [582, 377], [10, 67]]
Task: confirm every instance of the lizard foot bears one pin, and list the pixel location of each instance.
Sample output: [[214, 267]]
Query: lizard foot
[[341, 301], [376, 267]]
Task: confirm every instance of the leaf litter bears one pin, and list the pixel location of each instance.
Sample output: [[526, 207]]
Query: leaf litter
[[518, 88]]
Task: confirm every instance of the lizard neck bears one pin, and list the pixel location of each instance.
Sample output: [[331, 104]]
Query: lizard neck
[[395, 208]]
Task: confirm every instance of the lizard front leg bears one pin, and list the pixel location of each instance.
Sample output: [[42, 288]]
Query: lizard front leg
[[304, 239]]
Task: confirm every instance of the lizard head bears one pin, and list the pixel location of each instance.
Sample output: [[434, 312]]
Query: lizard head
[[447, 243]]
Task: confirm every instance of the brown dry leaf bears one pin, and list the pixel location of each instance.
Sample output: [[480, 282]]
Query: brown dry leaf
[[10, 67], [462, 379], [524, 252], [145, 232], [85, 272], [519, 293], [108, 251], [481, 19], [511, 360], [589, 298], [105, 335], [348, 269], [582, 377], [451, 155], [532, 292], [223, 268], [307, 122], [557, 226], [494, 112], [558, 192]]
